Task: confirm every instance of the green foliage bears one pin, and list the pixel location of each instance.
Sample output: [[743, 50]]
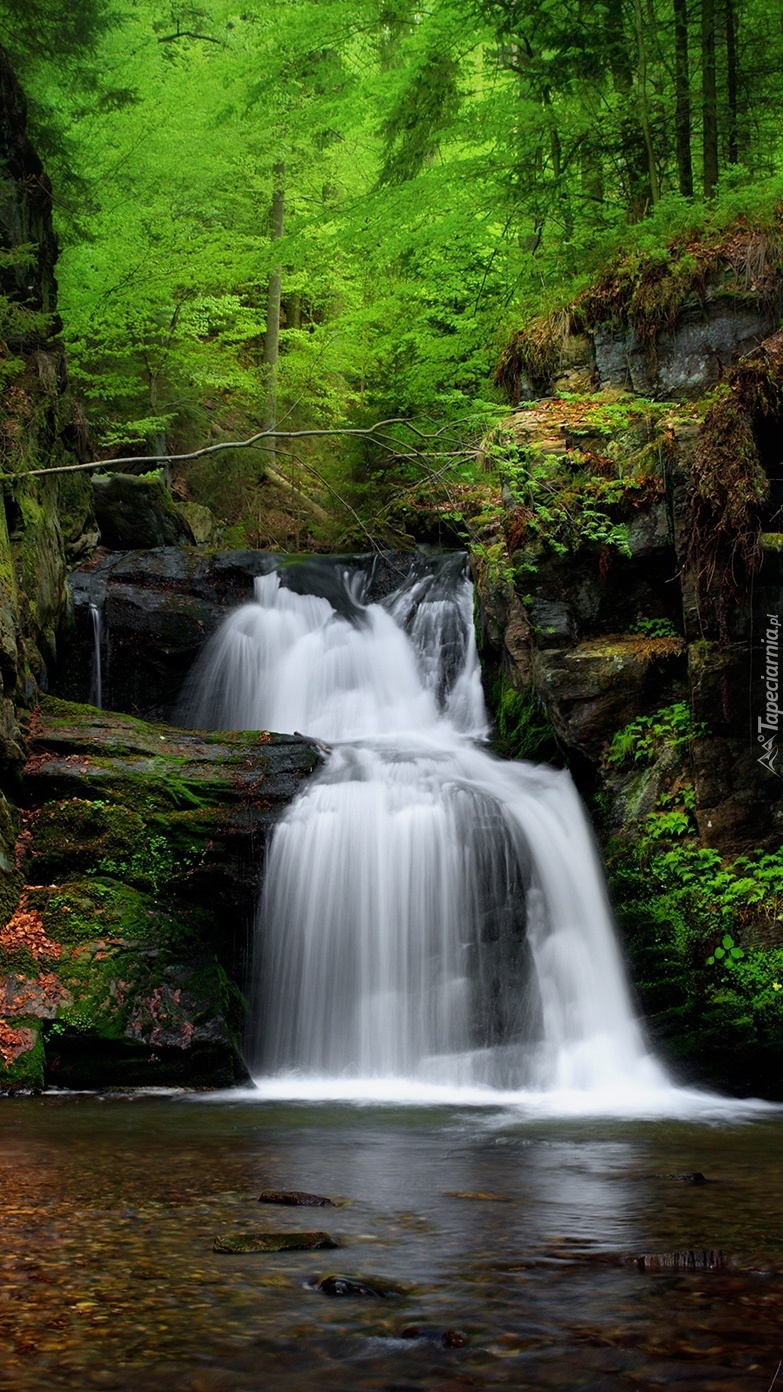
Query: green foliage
[[706, 943], [446, 177], [641, 740], [654, 628], [565, 505], [727, 952], [151, 865]]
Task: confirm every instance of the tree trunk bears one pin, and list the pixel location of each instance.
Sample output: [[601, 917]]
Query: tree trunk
[[644, 109], [682, 82], [291, 310], [619, 62], [633, 146], [709, 98], [732, 145], [272, 336]]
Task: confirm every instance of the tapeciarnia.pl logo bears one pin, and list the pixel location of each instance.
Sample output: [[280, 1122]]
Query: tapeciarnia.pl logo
[[769, 722]]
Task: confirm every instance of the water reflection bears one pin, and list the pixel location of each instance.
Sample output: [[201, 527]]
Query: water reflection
[[508, 1240]]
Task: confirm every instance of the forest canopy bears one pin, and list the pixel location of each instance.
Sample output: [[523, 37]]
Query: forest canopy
[[315, 213]]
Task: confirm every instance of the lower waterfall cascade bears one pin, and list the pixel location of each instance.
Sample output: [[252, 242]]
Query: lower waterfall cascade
[[433, 919]]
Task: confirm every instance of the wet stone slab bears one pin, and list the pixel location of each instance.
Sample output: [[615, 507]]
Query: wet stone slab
[[239, 1244]]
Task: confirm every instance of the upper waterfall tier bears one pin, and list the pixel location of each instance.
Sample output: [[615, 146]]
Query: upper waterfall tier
[[328, 664]]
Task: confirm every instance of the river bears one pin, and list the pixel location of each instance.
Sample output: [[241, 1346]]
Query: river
[[110, 1206]]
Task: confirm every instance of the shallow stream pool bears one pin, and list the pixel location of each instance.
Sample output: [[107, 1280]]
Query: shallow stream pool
[[516, 1245]]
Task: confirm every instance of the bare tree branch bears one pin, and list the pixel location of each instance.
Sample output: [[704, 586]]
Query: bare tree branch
[[370, 432]]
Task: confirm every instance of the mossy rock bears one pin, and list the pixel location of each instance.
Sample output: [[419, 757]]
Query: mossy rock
[[22, 1056], [138, 513], [82, 909], [201, 520], [80, 832]]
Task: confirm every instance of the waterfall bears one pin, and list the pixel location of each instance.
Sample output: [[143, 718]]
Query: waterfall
[[431, 916], [96, 681]]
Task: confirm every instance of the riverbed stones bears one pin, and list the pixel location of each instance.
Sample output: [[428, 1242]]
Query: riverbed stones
[[240, 1244]]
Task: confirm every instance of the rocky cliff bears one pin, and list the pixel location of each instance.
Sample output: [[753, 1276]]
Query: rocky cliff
[[631, 594]]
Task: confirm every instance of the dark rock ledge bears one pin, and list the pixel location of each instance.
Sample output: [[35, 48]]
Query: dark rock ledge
[[137, 874]]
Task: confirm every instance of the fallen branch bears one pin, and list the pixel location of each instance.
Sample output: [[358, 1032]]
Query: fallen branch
[[280, 482], [367, 432]]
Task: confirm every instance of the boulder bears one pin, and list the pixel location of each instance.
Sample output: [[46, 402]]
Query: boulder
[[201, 521], [685, 361], [138, 512]]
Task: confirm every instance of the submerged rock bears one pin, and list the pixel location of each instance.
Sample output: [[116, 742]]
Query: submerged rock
[[295, 1198], [697, 1260], [239, 1244], [477, 1194], [448, 1338], [694, 1177], [337, 1286]]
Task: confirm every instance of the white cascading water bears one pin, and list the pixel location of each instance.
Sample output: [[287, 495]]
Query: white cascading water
[[433, 920], [96, 683]]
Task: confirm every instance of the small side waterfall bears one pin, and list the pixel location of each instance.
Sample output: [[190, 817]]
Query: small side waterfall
[[432, 916], [96, 680]]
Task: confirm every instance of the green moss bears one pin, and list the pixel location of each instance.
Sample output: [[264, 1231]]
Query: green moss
[[79, 833], [75, 504], [727, 488], [83, 909], [524, 730], [11, 880], [18, 960], [8, 591], [26, 1072]]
